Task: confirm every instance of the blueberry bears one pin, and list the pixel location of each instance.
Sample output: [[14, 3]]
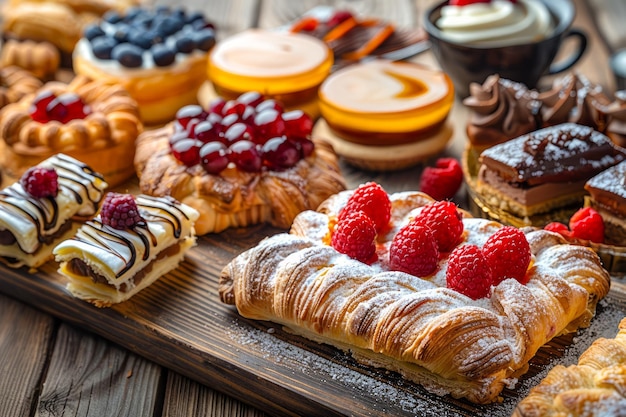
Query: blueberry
[[121, 32], [142, 20], [192, 17], [185, 44], [128, 55], [112, 17], [93, 31], [142, 39], [179, 13], [132, 13], [204, 39], [163, 55], [102, 47], [169, 25]]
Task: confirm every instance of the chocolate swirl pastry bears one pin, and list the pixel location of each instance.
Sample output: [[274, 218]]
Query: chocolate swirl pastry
[[105, 265]]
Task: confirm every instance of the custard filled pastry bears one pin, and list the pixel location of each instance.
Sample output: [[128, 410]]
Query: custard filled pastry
[[37, 211], [109, 260], [456, 304], [596, 386]]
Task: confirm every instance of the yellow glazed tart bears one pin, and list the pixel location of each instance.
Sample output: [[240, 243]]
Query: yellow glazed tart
[[399, 108], [289, 67]]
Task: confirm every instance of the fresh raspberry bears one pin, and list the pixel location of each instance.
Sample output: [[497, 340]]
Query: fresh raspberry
[[467, 2], [587, 224], [120, 211], [508, 253], [355, 236], [442, 181], [414, 250], [373, 200], [445, 221], [558, 227], [40, 182], [469, 272]]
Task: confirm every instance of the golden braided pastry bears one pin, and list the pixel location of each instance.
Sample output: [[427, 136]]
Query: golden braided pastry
[[15, 83], [40, 58], [104, 140], [596, 386], [60, 22], [236, 198], [417, 327]]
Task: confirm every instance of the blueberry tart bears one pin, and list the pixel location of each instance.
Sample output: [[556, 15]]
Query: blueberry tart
[[159, 56]]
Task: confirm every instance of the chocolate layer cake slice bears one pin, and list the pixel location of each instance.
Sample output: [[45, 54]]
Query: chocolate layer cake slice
[[544, 170], [607, 195]]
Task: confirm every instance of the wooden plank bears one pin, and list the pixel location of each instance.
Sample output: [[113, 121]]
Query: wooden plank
[[87, 373], [25, 338], [184, 397]]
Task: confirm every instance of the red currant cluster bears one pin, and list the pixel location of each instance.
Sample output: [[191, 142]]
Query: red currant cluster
[[47, 106], [251, 132]]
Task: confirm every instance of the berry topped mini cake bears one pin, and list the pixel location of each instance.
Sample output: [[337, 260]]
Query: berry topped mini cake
[[94, 122], [459, 305], [239, 163], [130, 244], [36, 212], [385, 115], [159, 56]]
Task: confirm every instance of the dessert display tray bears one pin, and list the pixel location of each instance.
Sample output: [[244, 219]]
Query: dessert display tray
[[180, 323]]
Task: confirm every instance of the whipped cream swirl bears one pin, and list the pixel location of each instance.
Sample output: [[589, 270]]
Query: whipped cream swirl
[[498, 23]]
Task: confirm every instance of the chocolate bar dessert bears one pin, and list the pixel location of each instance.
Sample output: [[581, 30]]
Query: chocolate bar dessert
[[544, 170], [607, 195]]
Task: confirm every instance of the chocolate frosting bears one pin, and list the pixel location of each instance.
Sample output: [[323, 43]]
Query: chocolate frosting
[[502, 109], [562, 153], [615, 113], [571, 99]]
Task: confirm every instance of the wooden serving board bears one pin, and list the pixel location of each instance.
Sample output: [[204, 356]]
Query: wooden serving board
[[180, 323]]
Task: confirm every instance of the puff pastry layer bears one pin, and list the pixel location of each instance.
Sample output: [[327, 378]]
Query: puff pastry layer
[[596, 386], [416, 326]]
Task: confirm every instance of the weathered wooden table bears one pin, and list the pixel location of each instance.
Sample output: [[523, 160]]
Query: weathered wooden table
[[60, 357]]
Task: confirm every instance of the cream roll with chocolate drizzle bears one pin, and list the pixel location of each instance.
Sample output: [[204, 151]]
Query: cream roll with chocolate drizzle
[[106, 266], [31, 226]]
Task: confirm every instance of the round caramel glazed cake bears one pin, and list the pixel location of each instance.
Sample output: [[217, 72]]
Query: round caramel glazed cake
[[289, 67], [385, 114], [161, 60], [102, 135]]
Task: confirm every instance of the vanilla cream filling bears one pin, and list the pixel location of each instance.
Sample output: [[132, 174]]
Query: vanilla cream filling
[[496, 23], [384, 87], [259, 53]]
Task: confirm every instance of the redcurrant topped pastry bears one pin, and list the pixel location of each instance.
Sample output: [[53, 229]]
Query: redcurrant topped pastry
[[159, 56], [94, 122], [240, 162]]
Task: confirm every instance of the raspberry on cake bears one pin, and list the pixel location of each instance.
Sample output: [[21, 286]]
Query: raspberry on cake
[[37, 211], [239, 163], [94, 122], [129, 245], [466, 326], [543, 172], [159, 56]]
